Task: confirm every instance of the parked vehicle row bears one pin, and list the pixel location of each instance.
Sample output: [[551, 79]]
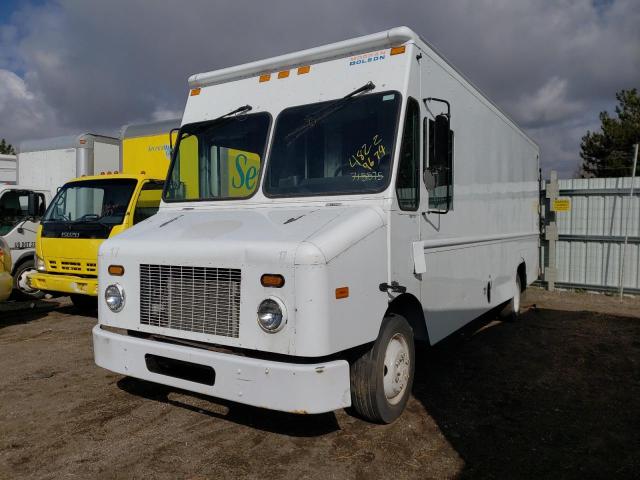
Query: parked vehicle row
[[321, 212], [98, 203]]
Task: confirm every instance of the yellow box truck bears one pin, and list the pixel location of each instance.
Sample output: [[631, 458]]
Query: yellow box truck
[[90, 209]]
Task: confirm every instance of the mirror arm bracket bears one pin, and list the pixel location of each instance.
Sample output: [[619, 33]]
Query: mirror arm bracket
[[434, 99]]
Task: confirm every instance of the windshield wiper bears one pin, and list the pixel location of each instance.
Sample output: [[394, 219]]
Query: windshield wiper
[[312, 120], [209, 123]]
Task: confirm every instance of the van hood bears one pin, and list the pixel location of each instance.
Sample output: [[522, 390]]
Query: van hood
[[270, 235]]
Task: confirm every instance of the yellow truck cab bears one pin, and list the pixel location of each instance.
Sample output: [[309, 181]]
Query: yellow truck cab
[[88, 210]]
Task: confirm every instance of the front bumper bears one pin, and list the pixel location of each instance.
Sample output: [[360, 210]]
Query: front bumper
[[6, 285], [289, 387], [70, 284]]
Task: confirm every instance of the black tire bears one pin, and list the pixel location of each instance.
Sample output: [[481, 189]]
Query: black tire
[[511, 311], [20, 290], [85, 303], [368, 397]]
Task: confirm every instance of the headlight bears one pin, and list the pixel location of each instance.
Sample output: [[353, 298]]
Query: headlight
[[40, 266], [271, 315], [114, 296]]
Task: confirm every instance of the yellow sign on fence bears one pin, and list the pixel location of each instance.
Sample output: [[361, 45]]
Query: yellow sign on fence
[[561, 205]]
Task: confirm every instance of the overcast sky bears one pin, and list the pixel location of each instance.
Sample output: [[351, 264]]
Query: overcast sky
[[69, 66]]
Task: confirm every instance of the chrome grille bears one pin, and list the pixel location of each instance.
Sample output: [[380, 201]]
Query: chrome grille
[[195, 299]]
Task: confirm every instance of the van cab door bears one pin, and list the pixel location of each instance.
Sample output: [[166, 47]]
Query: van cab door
[[404, 220]]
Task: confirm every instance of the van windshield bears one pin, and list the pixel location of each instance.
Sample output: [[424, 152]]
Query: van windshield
[[347, 152]]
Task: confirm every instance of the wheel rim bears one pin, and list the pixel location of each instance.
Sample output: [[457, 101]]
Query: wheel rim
[[397, 365], [21, 282]]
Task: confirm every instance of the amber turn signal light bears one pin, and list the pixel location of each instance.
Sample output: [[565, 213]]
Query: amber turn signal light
[[342, 292], [272, 280], [116, 270]]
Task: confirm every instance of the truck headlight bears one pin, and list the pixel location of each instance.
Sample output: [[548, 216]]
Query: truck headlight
[[39, 264], [114, 296], [271, 315]]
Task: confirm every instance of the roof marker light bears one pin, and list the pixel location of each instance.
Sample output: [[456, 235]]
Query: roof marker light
[[398, 50], [264, 78], [283, 74], [194, 92], [304, 69], [342, 292]]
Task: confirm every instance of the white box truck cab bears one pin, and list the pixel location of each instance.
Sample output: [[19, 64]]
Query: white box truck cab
[[323, 210], [43, 166]]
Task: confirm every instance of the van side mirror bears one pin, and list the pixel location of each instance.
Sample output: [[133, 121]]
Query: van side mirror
[[33, 204], [441, 140]]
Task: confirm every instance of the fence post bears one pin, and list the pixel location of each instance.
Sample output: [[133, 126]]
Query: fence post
[[551, 231], [626, 228]]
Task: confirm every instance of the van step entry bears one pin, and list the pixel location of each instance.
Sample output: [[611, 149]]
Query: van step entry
[[192, 372]]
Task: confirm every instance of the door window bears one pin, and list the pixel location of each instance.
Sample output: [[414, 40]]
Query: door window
[[148, 201], [407, 183], [14, 208]]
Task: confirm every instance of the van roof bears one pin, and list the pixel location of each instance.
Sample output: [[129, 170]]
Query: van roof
[[388, 38]]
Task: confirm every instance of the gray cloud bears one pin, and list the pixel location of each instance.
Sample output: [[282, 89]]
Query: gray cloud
[[81, 65]]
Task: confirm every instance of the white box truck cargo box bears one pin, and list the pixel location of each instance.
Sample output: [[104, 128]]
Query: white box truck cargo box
[[8, 169], [323, 210], [49, 163], [146, 147]]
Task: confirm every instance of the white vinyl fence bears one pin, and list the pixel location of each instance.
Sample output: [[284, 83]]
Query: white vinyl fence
[[582, 247]]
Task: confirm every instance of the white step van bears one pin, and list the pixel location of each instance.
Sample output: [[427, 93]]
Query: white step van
[[323, 211]]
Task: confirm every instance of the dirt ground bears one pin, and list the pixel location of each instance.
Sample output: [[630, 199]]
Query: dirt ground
[[556, 394]]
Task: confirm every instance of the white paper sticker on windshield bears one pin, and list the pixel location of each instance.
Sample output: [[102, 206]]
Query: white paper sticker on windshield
[[388, 97]]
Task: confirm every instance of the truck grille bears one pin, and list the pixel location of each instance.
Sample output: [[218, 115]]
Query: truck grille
[[61, 265], [195, 299]]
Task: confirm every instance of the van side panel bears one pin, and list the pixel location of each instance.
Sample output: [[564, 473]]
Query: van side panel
[[472, 252]]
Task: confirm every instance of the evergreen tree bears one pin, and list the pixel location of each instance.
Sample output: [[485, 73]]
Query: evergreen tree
[[609, 152], [6, 148]]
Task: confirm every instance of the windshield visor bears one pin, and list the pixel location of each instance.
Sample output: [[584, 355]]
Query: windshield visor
[[89, 208], [218, 160], [348, 151]]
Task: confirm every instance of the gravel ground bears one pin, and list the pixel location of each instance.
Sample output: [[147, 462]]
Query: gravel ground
[[556, 394]]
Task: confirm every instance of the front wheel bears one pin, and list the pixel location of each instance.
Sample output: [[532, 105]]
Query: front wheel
[[20, 284], [382, 377]]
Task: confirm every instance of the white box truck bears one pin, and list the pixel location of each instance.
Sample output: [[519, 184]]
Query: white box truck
[[8, 169], [323, 211], [42, 167]]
